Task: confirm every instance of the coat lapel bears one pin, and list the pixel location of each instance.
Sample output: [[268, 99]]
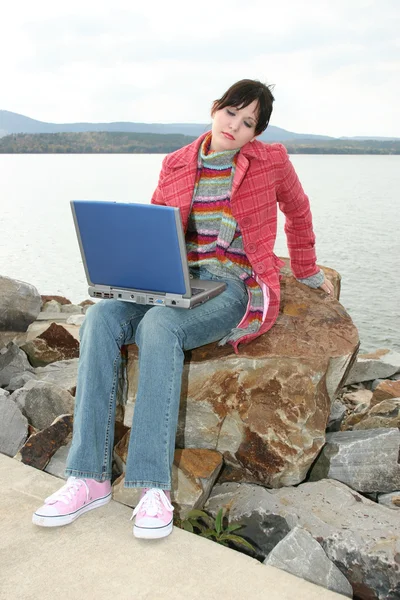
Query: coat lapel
[[241, 169]]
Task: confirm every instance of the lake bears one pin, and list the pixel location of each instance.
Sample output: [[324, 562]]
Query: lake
[[355, 202]]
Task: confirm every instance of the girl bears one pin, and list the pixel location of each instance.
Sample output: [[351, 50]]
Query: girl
[[227, 185]]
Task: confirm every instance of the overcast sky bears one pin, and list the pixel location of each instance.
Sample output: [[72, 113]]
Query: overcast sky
[[335, 64]]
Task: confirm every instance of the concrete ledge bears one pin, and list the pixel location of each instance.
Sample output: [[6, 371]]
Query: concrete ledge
[[97, 556]]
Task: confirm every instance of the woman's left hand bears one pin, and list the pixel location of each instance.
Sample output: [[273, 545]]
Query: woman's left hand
[[327, 287]]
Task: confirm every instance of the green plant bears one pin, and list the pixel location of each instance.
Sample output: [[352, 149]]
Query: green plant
[[199, 522]]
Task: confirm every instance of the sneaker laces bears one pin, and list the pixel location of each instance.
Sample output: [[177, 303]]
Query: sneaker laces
[[151, 503], [68, 491]]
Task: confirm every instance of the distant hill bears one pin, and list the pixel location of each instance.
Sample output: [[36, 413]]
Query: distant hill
[[120, 142], [11, 122]]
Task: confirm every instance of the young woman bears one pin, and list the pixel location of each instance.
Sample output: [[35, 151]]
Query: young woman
[[227, 185]]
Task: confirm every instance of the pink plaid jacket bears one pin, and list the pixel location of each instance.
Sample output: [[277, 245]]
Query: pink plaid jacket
[[264, 177]]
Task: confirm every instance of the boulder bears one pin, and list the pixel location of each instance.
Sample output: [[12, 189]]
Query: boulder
[[300, 554], [385, 414], [193, 474], [19, 304], [267, 408], [71, 308], [385, 390], [13, 426], [43, 402], [336, 416], [53, 345], [366, 461], [361, 537], [57, 463], [18, 381], [62, 373], [40, 447], [59, 299], [375, 365], [52, 306], [13, 361], [392, 500], [75, 320], [358, 404]]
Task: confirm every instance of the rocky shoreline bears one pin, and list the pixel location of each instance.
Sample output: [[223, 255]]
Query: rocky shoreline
[[336, 522]]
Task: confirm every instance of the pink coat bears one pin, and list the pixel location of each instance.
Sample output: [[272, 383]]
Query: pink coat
[[263, 178]]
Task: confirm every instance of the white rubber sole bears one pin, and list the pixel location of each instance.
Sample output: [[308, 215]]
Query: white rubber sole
[[58, 521], [152, 533]]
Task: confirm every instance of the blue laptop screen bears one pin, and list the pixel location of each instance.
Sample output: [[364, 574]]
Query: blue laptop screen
[[130, 245]]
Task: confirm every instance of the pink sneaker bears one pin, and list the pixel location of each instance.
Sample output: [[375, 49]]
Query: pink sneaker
[[76, 497], [153, 514]]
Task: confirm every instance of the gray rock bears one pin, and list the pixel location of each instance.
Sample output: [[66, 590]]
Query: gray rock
[[392, 500], [375, 383], [42, 402], [57, 463], [13, 361], [361, 537], [52, 306], [19, 304], [298, 553], [75, 320], [62, 373], [378, 365], [366, 461], [18, 381], [338, 411], [13, 426], [71, 309]]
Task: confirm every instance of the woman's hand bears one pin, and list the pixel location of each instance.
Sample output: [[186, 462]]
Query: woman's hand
[[327, 287]]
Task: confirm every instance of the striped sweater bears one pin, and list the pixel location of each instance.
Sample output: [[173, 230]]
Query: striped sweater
[[213, 237]]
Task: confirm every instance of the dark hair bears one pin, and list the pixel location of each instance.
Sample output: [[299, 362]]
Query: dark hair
[[244, 92]]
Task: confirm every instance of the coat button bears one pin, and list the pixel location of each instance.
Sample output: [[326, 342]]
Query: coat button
[[246, 221], [259, 268], [251, 248]]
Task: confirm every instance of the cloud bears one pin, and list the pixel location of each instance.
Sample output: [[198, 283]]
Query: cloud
[[335, 65]]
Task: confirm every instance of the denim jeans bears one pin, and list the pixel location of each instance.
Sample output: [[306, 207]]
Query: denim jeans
[[162, 334]]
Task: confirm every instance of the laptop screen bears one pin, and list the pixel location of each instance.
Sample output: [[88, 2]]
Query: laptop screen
[[130, 245]]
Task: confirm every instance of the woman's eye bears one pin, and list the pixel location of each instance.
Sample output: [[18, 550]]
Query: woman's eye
[[249, 125], [230, 112]]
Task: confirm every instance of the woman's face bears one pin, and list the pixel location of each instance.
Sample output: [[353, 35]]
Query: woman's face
[[233, 127]]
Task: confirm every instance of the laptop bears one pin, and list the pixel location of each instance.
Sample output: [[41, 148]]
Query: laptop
[[137, 253]]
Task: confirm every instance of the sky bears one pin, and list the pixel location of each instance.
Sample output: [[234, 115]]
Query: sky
[[335, 65]]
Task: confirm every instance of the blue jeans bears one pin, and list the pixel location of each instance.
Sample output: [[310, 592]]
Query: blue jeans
[[162, 335]]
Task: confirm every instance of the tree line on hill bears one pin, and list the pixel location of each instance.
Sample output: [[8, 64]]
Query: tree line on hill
[[156, 143]]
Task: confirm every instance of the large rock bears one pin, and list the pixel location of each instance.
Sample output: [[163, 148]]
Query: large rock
[[385, 414], [19, 304], [366, 461], [194, 472], [385, 390], [62, 373], [43, 402], [40, 447], [375, 365], [54, 344], [391, 500], [13, 361], [361, 537], [267, 408], [13, 426], [300, 554]]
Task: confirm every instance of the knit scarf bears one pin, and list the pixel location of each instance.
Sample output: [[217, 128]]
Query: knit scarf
[[214, 239]]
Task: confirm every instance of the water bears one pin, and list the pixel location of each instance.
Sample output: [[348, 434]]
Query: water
[[354, 199]]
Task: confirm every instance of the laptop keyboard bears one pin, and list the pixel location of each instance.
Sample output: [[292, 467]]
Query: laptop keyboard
[[196, 291]]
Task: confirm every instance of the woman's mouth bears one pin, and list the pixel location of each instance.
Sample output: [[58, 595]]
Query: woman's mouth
[[228, 135]]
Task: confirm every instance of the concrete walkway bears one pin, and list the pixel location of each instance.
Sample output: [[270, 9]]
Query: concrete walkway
[[98, 558]]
